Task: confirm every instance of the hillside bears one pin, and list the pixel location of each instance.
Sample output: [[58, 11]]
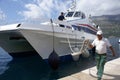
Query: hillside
[[110, 24], [108, 17]]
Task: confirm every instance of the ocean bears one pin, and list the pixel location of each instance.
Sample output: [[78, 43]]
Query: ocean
[[32, 67]]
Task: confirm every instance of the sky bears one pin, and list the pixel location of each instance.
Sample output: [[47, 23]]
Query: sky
[[32, 10]]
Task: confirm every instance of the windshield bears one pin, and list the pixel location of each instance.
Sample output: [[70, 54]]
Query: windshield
[[69, 14], [77, 14]]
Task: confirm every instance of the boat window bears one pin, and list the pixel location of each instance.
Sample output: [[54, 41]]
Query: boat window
[[16, 38], [75, 27], [77, 14], [69, 14], [69, 27], [61, 25]]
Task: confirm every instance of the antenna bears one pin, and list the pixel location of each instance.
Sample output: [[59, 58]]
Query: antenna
[[73, 6]]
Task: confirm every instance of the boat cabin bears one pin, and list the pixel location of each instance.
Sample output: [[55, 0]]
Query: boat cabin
[[74, 15], [84, 25]]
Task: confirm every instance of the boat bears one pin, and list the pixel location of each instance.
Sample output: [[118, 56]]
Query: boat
[[51, 41], [40, 36], [12, 41]]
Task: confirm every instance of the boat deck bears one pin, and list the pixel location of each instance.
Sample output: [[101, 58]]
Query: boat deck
[[111, 72]]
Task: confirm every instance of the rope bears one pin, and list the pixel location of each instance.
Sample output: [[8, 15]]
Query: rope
[[51, 21], [70, 44], [83, 47]]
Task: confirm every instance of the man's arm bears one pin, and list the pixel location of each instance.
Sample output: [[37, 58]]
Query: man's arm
[[113, 52]]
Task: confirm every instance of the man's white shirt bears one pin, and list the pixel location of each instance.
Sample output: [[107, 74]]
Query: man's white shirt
[[101, 45]]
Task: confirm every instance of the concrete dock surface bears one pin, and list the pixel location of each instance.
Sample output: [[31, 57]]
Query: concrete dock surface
[[111, 72]]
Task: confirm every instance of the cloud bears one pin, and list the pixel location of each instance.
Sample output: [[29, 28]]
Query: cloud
[[33, 12], [99, 7], [50, 9], [43, 9], [2, 15]]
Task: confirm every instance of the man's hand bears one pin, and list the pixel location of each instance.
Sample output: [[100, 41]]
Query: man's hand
[[89, 44], [113, 52]]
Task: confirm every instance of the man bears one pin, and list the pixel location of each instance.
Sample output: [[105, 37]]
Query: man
[[101, 45], [61, 17]]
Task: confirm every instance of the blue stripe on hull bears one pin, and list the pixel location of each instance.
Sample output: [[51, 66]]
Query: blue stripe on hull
[[85, 29]]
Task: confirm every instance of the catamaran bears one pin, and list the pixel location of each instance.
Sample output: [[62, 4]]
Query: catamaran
[[53, 41]]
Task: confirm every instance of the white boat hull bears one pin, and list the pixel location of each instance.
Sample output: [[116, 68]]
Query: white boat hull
[[41, 38]]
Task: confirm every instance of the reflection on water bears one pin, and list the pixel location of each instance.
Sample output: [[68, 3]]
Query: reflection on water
[[5, 58]]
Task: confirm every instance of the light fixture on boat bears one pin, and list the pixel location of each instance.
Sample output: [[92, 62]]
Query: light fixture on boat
[[18, 25]]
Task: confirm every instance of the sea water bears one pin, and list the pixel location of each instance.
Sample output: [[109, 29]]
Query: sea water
[[32, 67]]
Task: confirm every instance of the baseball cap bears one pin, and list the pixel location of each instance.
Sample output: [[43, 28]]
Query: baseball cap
[[99, 32]]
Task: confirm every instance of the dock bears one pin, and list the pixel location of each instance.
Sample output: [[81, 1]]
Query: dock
[[111, 72]]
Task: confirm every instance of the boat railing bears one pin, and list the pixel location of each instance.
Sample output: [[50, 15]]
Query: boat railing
[[63, 24]]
